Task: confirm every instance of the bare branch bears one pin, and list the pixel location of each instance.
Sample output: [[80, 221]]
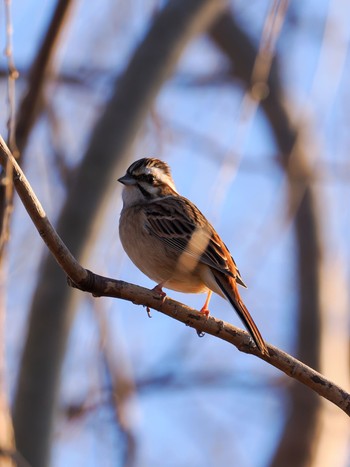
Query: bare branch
[[7, 440], [6, 186], [103, 286]]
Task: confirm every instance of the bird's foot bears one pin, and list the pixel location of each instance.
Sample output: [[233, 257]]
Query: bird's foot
[[159, 290], [148, 311], [204, 311]]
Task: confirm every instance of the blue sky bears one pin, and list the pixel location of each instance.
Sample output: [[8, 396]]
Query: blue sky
[[197, 131]]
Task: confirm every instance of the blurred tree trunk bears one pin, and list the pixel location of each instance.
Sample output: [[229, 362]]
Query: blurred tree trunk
[[108, 152], [301, 429], [332, 444], [295, 448]]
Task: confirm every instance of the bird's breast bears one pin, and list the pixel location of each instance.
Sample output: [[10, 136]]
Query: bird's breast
[[154, 258]]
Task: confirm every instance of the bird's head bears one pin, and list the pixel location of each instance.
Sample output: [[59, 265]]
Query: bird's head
[[147, 179]]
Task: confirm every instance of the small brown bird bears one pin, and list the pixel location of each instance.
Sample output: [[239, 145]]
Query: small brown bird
[[171, 241]]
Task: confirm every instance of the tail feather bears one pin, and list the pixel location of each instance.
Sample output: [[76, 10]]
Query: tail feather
[[229, 288]]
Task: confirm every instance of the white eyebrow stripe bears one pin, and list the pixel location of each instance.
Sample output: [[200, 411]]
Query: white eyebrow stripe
[[160, 175]]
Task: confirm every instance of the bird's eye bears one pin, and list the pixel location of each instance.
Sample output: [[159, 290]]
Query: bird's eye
[[151, 179]]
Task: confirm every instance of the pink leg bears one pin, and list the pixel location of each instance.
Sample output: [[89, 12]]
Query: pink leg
[[205, 310], [159, 289]]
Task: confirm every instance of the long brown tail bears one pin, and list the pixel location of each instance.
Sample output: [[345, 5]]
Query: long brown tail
[[229, 288]]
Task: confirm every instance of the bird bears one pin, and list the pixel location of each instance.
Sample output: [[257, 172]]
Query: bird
[[169, 239]]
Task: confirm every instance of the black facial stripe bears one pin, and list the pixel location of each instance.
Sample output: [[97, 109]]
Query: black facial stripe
[[144, 192], [148, 178]]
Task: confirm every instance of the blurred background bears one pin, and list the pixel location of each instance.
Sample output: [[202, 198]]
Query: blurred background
[[247, 102]]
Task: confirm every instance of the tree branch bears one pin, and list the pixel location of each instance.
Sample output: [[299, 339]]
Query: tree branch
[[99, 286]]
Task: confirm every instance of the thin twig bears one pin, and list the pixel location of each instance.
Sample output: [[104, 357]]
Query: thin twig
[[99, 286], [6, 187], [7, 440], [12, 75]]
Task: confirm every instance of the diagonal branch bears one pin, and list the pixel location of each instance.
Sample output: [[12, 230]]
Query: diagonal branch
[[99, 286]]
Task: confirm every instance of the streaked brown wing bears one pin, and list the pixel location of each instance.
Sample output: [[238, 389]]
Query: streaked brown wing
[[177, 222]]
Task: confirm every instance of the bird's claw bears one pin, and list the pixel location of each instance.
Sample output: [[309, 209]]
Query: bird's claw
[[158, 289], [204, 311]]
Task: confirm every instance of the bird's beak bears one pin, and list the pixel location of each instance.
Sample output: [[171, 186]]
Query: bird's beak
[[127, 180]]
